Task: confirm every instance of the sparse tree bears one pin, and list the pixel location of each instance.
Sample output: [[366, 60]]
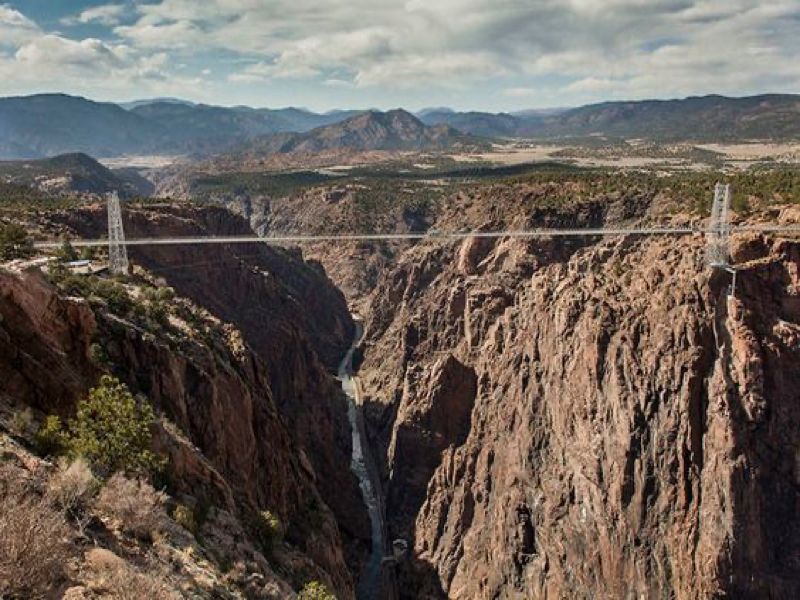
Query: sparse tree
[[67, 252], [14, 242]]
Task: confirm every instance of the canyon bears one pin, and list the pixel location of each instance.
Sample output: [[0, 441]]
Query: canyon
[[577, 417], [601, 419]]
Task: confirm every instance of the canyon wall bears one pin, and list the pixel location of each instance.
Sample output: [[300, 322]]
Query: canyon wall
[[264, 425], [589, 419], [288, 311]]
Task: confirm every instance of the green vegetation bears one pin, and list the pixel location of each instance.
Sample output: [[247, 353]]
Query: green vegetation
[[18, 198], [274, 185], [149, 309], [98, 290], [185, 517], [314, 590], [50, 439], [111, 430], [686, 191], [268, 530], [14, 242], [22, 421]]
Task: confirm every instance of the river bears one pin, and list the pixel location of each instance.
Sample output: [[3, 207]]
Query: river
[[371, 583]]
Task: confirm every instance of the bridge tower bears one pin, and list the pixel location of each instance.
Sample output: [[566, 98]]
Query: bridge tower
[[117, 251], [719, 232]]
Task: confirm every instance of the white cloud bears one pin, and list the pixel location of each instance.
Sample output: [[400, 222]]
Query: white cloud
[[15, 28], [568, 51], [451, 43], [593, 84], [54, 52], [107, 14]]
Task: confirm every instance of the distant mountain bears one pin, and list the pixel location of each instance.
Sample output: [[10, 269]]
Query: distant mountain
[[73, 173], [475, 123], [421, 114], [373, 130], [699, 118], [219, 126], [50, 124], [707, 118], [539, 112]]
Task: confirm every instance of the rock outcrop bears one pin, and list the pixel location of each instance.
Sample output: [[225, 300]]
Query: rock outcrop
[[589, 420]]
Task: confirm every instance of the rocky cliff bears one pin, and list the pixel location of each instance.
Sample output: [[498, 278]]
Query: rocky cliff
[[288, 311], [261, 423], [593, 419]]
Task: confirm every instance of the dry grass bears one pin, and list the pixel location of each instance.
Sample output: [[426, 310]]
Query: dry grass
[[33, 541], [134, 505], [114, 578]]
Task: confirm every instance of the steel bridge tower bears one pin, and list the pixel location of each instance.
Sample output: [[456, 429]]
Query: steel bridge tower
[[719, 233], [117, 251]]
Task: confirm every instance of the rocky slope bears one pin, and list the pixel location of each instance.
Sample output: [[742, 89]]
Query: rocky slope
[[261, 422], [585, 420], [288, 311]]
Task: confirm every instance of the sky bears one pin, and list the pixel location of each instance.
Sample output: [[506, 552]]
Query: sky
[[496, 55]]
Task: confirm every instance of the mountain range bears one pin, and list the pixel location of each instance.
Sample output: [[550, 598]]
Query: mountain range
[[49, 124]]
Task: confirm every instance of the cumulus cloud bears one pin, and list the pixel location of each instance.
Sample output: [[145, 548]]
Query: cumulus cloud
[[34, 60], [603, 45], [566, 50]]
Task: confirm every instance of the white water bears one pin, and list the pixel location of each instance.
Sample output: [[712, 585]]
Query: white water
[[370, 580]]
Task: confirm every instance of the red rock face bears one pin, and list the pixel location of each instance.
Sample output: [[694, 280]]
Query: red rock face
[[37, 330], [226, 441], [601, 422], [289, 312]]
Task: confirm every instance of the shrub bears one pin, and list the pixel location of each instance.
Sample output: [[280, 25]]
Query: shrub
[[71, 489], [268, 530], [184, 516], [33, 546], [50, 439], [72, 486], [98, 354], [314, 590], [134, 504], [112, 430]]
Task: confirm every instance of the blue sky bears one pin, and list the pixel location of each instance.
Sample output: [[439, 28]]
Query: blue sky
[[468, 54]]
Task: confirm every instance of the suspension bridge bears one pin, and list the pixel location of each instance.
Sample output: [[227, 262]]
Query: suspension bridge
[[717, 233]]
